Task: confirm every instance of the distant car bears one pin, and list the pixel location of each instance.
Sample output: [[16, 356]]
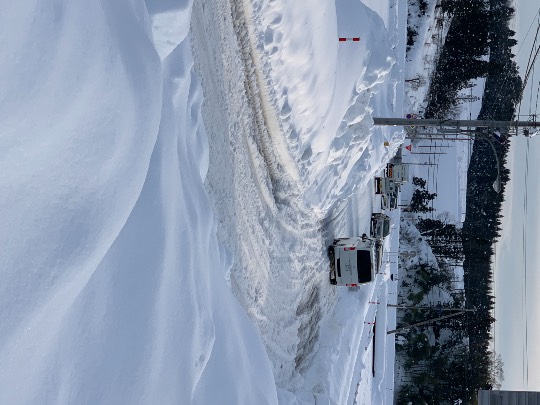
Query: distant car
[[398, 172], [389, 201], [380, 226], [354, 260], [385, 185]]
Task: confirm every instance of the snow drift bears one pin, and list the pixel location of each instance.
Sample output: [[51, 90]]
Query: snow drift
[[112, 278], [325, 91]]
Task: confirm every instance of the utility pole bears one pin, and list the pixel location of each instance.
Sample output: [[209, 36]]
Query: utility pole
[[446, 128], [485, 129], [429, 153], [442, 137], [436, 122], [433, 146]]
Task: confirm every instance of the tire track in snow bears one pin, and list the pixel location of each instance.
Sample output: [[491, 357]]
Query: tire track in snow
[[293, 214]]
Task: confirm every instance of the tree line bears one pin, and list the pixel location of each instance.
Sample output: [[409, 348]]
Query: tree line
[[443, 361], [478, 44]]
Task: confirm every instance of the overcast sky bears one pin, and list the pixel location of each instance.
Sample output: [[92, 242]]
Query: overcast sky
[[517, 263]]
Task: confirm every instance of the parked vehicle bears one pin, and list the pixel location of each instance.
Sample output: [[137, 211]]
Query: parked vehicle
[[389, 201], [380, 226], [354, 260], [385, 185], [398, 172]]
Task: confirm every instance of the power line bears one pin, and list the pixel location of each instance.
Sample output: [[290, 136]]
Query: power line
[[527, 34], [530, 70], [533, 54]]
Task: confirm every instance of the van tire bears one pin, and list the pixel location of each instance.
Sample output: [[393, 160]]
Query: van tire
[[331, 258], [331, 253]]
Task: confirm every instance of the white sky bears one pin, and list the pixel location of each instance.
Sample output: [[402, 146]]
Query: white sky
[[517, 330]]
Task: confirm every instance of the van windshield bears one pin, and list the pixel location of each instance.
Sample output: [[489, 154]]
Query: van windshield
[[378, 255], [364, 266]]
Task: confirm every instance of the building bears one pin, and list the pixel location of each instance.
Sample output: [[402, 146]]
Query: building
[[497, 397]]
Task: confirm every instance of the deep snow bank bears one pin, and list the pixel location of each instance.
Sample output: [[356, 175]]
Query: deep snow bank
[[324, 91], [112, 278]]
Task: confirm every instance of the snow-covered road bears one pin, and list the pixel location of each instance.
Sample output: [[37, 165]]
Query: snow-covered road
[[172, 173], [276, 239]]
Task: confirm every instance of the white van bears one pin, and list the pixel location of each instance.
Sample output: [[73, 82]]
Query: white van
[[354, 260]]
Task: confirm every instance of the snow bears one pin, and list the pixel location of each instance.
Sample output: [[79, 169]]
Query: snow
[[325, 91], [172, 175], [107, 224]]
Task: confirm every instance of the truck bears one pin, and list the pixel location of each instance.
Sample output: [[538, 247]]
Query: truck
[[398, 172], [354, 260], [380, 226]]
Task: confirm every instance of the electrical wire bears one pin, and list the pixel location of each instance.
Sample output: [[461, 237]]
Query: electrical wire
[[530, 72], [533, 54]]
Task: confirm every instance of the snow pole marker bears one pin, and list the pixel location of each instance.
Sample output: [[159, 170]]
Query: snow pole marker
[[352, 39]]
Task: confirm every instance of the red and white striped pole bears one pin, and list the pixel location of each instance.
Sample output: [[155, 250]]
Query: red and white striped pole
[[352, 39]]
